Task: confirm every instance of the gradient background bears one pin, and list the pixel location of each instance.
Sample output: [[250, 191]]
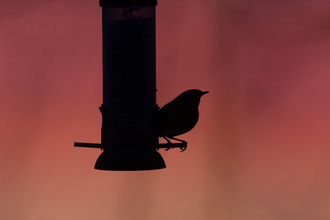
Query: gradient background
[[259, 152]]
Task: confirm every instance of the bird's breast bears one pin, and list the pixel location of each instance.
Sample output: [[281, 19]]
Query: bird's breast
[[175, 123]]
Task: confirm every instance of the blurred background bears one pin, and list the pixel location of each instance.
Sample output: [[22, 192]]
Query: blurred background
[[259, 151]]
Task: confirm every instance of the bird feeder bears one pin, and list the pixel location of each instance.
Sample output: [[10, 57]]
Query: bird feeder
[[129, 87]]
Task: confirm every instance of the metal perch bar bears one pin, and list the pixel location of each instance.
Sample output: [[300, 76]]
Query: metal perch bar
[[95, 145], [173, 145], [90, 145]]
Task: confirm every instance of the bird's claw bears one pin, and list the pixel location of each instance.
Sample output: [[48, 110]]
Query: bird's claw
[[184, 147], [169, 143]]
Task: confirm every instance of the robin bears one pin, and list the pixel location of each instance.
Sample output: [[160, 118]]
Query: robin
[[178, 116]]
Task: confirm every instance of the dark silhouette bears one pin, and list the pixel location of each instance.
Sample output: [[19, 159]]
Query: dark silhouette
[[178, 116]]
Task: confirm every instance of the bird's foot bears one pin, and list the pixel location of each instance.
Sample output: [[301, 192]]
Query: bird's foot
[[183, 148], [183, 144], [168, 143]]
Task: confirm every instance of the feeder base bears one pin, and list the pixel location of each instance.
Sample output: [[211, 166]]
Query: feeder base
[[129, 160]]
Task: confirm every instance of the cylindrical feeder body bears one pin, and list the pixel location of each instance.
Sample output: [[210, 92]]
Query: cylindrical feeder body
[[129, 86]]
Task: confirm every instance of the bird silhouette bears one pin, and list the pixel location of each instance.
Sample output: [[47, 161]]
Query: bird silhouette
[[178, 116]]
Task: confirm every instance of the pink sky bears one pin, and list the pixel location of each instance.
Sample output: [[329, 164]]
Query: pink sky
[[259, 152]]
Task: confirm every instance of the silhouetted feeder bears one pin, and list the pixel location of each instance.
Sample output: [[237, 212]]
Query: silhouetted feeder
[[129, 87]]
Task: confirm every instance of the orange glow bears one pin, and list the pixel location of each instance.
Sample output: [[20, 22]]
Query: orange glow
[[259, 151]]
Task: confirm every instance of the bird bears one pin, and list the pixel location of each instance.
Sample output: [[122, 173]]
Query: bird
[[178, 116]]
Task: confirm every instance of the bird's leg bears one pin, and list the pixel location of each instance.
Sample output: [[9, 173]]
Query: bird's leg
[[168, 143], [183, 142]]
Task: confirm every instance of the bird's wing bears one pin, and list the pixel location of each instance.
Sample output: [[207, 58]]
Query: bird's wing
[[175, 119]]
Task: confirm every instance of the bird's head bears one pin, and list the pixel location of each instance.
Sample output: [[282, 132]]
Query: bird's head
[[191, 96]]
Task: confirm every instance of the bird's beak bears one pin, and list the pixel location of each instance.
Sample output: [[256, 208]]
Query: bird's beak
[[205, 92]]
